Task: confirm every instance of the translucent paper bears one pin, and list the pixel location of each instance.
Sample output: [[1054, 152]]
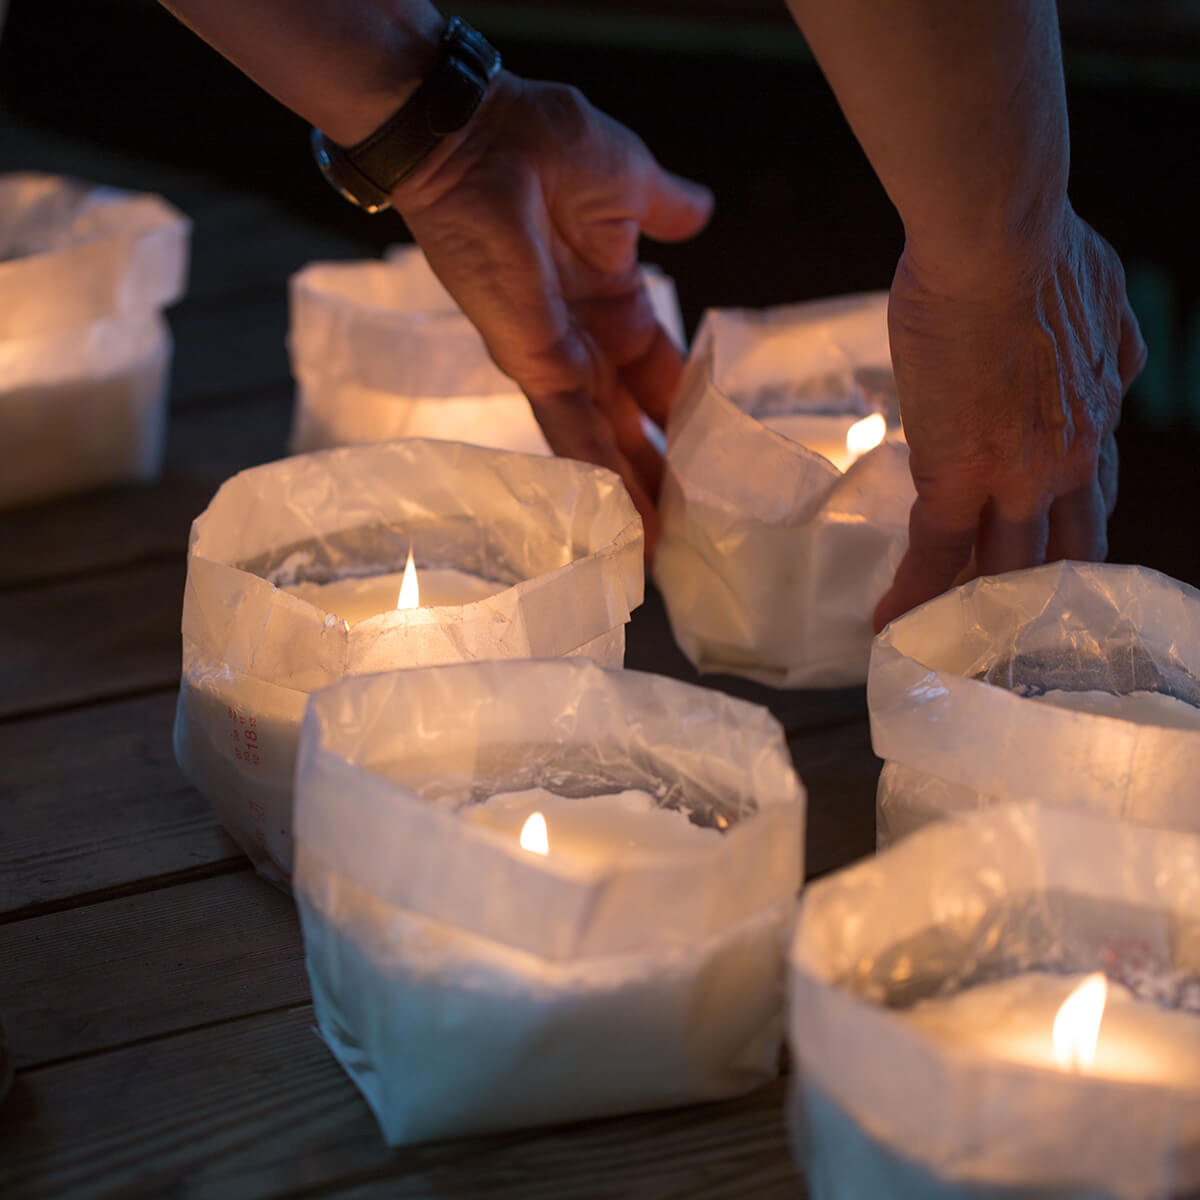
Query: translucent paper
[[772, 560], [84, 353], [883, 1108], [380, 350], [469, 985], [967, 692], [562, 535]]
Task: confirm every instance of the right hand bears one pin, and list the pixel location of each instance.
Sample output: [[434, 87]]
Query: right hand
[[1010, 393], [531, 218]]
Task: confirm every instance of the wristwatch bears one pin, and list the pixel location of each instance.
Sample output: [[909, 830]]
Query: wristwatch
[[367, 172]]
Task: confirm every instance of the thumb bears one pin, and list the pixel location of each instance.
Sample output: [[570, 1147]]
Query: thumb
[[940, 539], [1131, 352], [676, 208]]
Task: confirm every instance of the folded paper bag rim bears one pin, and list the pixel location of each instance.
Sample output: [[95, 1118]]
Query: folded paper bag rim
[[236, 617], [931, 711], [773, 573], [86, 252], [351, 741]]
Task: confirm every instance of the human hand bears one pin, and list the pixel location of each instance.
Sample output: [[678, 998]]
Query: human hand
[[531, 219], [1010, 393]]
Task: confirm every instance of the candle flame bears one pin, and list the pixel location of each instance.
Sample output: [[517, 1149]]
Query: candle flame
[[410, 590], [534, 835], [1077, 1025], [865, 435]]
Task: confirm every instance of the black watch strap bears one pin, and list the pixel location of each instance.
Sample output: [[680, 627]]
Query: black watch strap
[[367, 172]]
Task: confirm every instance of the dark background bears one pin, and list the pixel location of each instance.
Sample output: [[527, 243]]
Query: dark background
[[723, 91]]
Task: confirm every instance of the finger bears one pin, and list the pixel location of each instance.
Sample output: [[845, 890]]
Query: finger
[[1079, 525], [628, 334], [653, 378], [1008, 543], [625, 417], [940, 538], [675, 208], [1131, 352], [575, 428]]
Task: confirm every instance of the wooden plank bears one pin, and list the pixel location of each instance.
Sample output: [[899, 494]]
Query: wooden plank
[[139, 967], [744, 1156], [258, 1107], [238, 431], [98, 637], [230, 347], [123, 526], [92, 801], [840, 772]]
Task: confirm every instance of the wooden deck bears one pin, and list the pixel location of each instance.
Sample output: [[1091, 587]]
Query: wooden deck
[[152, 987]]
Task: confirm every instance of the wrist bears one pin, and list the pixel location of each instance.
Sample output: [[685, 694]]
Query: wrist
[[404, 51], [370, 171], [458, 152], [1003, 250]]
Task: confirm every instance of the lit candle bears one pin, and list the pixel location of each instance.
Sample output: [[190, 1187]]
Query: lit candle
[[485, 955], [592, 831], [1014, 1019], [840, 439], [360, 598]]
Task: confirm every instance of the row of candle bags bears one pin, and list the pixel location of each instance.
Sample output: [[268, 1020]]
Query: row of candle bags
[[537, 887]]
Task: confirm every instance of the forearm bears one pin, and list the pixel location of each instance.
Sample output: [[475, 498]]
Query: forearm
[[343, 65], [959, 105]]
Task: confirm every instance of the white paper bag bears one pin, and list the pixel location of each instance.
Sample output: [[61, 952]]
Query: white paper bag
[[771, 560], [563, 534], [381, 350], [469, 985], [84, 353], [1072, 684], [883, 1107]]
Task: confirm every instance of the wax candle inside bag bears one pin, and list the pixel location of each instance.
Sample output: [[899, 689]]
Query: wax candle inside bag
[[381, 350], [472, 980], [559, 540], [901, 1091], [772, 558], [84, 352], [1071, 684]]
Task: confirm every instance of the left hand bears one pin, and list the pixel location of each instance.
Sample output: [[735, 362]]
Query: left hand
[[1010, 395], [531, 218]]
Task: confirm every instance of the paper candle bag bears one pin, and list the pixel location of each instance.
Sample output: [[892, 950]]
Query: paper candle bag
[[882, 1107], [771, 560], [564, 534], [1070, 684], [469, 985], [84, 353], [381, 350]]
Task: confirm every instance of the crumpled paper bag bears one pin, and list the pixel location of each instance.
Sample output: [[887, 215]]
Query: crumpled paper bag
[[563, 534], [381, 350], [884, 1109], [969, 698], [468, 985], [84, 353], [771, 560]]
